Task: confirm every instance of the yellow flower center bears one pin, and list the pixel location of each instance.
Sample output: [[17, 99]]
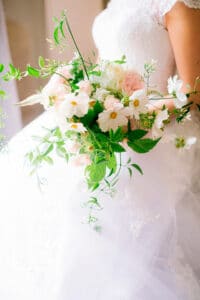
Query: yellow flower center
[[136, 102], [74, 103], [53, 99], [113, 115], [74, 126], [92, 103]]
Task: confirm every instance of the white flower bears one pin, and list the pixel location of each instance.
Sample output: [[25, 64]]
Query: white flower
[[74, 105], [62, 74], [161, 116], [138, 103], [112, 75], [112, 119], [49, 96], [78, 127], [158, 125], [85, 86], [185, 143], [190, 141], [72, 147], [100, 94], [54, 93], [174, 88], [111, 102]]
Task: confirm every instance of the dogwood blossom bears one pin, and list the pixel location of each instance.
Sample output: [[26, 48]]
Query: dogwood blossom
[[138, 103], [174, 88]]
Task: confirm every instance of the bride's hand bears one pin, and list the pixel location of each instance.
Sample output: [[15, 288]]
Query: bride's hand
[[157, 105]]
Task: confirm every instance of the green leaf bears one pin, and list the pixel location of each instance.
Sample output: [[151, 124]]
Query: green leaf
[[48, 159], [96, 172], [41, 61], [93, 203], [136, 134], [2, 94], [95, 73], [61, 28], [137, 168], [49, 149], [33, 72], [130, 172], [121, 61], [117, 148], [143, 146], [112, 163], [1, 68], [92, 115], [116, 136], [55, 35], [13, 70]]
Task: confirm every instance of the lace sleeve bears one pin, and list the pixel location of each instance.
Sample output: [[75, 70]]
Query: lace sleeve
[[166, 6]]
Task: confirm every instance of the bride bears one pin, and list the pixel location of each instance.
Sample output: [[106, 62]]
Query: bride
[[149, 245]]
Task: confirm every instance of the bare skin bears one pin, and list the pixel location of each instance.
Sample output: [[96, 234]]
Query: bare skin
[[183, 26]]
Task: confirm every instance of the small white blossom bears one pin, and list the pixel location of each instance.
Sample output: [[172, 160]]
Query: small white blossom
[[185, 143], [85, 87], [100, 94], [112, 119], [138, 103], [158, 125], [74, 105], [78, 127], [49, 96], [174, 88], [190, 141]]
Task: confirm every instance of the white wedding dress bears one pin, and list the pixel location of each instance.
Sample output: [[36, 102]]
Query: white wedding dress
[[149, 245]]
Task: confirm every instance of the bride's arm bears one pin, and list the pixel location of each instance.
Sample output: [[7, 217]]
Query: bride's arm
[[183, 25]]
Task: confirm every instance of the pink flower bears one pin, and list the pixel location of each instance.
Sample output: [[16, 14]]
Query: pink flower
[[85, 86], [131, 82], [54, 94], [111, 102], [73, 146], [64, 75], [81, 160]]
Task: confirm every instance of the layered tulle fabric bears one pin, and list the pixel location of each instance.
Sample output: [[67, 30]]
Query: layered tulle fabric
[[147, 248]]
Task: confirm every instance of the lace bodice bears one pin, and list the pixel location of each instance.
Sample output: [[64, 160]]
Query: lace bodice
[[136, 29]]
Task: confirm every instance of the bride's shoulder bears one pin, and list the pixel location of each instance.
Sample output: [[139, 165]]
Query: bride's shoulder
[[166, 5]]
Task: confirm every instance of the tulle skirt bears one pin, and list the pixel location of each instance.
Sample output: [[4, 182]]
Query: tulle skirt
[[147, 249]]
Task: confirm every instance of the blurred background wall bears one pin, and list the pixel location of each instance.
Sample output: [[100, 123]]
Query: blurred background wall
[[29, 23]]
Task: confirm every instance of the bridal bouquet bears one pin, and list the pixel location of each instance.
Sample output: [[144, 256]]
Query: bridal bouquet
[[100, 109]]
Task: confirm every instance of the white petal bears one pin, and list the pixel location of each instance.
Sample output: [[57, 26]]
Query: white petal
[[31, 100]]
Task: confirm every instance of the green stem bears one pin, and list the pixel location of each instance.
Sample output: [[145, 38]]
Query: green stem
[[61, 76], [76, 46], [119, 170]]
